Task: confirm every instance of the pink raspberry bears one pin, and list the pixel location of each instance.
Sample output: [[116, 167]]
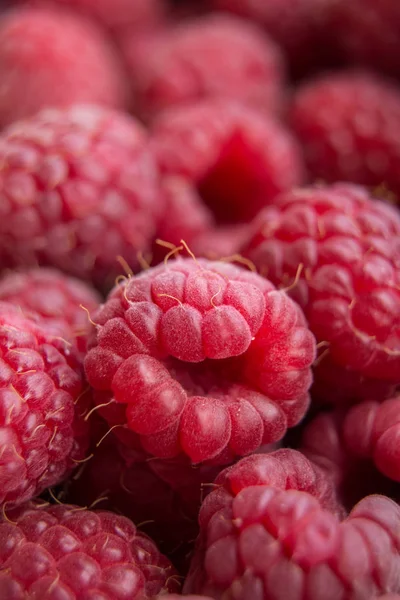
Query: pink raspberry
[[371, 430], [56, 297], [367, 32], [238, 159], [264, 535], [299, 26], [114, 14], [80, 187], [202, 359], [221, 242], [341, 457], [72, 553], [43, 399], [339, 250], [214, 56], [349, 126], [50, 57]]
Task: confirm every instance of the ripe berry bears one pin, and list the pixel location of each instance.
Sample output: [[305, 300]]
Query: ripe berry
[[50, 57], [72, 553], [43, 434], [264, 540], [80, 187], [349, 126], [214, 56], [367, 32], [339, 250], [54, 296], [237, 158], [200, 358]]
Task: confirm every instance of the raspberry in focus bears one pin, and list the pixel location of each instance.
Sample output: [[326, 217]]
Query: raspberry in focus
[[237, 158], [39, 66], [259, 540], [338, 249], [202, 359], [349, 126], [82, 188], [43, 402], [214, 56], [72, 553]]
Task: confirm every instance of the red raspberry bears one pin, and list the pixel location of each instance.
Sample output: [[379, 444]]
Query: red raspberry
[[50, 57], [268, 537], [54, 296], [215, 56], [70, 553], [238, 158], [347, 246], [115, 14], [372, 430], [200, 358], [299, 26], [43, 434], [367, 32], [80, 187], [349, 126], [354, 476], [220, 242]]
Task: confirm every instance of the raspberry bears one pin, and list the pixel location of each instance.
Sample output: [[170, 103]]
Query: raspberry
[[238, 159], [265, 539], [339, 249], [43, 434], [348, 124], [115, 14], [214, 56], [55, 297], [299, 27], [39, 66], [80, 187], [371, 429], [200, 358], [367, 32], [77, 554], [219, 242], [354, 476]]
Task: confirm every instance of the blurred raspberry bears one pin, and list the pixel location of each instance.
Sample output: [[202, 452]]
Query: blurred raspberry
[[43, 434], [72, 553], [221, 242], [117, 15], [214, 56], [367, 33], [200, 359], [51, 58], [338, 251], [301, 27], [54, 296], [349, 126], [264, 536], [238, 159], [80, 187]]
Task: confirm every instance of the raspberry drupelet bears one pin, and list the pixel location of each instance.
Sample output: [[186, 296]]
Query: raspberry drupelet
[[214, 56], [79, 187], [40, 67], [44, 399], [202, 359], [237, 158], [340, 249], [349, 126], [72, 553], [265, 533], [56, 297]]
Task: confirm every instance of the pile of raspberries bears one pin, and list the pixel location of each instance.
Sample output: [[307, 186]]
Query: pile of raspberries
[[200, 299]]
